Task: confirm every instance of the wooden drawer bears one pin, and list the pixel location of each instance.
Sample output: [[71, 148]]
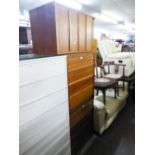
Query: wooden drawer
[[79, 60], [80, 74], [81, 132], [80, 97], [80, 113], [80, 85]]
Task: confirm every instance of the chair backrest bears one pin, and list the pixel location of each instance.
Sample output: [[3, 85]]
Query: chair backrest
[[97, 70], [110, 67]]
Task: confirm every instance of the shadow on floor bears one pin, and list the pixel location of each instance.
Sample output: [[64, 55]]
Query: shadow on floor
[[119, 138]]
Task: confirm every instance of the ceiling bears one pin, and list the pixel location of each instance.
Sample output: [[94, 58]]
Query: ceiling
[[121, 10]]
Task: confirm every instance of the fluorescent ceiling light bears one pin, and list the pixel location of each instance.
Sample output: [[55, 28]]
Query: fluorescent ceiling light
[[104, 18], [108, 19], [86, 2], [112, 15], [70, 3]]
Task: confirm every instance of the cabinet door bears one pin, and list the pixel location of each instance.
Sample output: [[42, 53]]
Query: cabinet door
[[73, 23], [82, 32], [89, 34], [62, 27]]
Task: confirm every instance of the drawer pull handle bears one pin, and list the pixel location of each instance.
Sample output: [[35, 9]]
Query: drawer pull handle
[[83, 106], [81, 58]]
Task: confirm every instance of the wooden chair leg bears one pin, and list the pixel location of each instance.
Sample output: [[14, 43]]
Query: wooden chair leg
[[123, 85], [117, 89]]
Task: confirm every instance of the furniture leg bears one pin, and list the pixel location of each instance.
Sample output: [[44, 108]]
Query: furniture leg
[[123, 77], [123, 80], [117, 87], [104, 96], [116, 90]]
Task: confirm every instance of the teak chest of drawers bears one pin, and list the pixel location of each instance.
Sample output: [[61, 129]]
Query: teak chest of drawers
[[80, 90]]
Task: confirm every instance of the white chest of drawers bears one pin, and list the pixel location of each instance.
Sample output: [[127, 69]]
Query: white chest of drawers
[[43, 107]]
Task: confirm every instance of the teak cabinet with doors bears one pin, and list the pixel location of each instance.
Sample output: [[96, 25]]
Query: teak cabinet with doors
[[57, 29]]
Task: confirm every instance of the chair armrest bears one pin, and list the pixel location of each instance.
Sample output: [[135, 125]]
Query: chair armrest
[[112, 63]]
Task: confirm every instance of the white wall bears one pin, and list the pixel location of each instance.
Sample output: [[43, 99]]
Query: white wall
[[112, 34]]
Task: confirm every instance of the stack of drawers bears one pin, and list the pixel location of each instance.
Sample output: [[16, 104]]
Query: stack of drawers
[[80, 87], [58, 30]]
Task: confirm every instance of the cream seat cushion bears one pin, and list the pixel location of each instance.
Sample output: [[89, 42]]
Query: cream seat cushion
[[113, 104], [98, 104], [113, 76]]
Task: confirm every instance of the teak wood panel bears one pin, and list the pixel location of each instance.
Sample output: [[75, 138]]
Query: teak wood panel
[[78, 74], [62, 27], [80, 113], [43, 29], [78, 86], [73, 25], [82, 32], [80, 97], [89, 34], [79, 60]]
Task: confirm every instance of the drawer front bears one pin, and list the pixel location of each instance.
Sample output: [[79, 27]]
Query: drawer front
[[80, 113], [80, 97], [80, 74], [79, 60], [81, 132], [80, 85]]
